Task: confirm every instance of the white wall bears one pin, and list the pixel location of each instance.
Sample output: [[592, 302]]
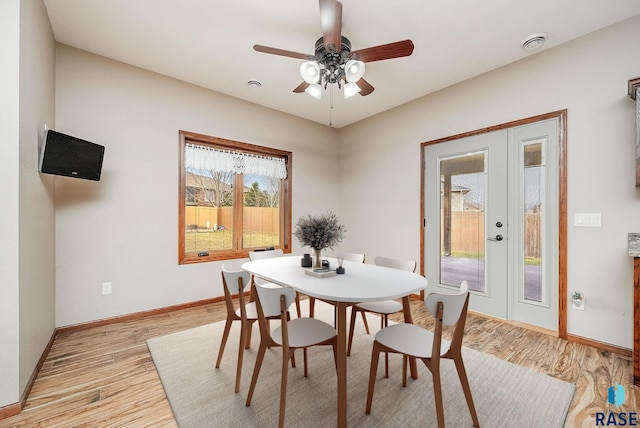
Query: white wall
[[37, 226], [124, 228], [27, 253], [380, 163], [9, 131]]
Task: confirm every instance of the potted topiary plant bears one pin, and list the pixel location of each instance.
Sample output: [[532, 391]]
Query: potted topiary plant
[[319, 232]]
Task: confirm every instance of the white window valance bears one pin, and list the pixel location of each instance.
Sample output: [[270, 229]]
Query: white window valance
[[201, 158]]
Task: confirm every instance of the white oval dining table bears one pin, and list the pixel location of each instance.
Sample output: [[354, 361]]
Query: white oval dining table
[[360, 283]]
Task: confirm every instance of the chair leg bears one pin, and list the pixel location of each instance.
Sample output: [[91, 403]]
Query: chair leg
[[375, 355], [352, 326], [364, 321], [384, 319], [405, 360], [437, 392], [298, 310], [464, 381], [312, 306], [223, 343], [283, 385], [304, 356], [256, 372], [241, 347], [247, 337]]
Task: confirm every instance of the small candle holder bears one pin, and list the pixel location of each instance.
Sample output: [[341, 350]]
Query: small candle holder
[[306, 261], [340, 269]]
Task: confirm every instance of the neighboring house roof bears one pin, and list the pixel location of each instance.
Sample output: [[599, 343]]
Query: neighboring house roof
[[461, 189], [205, 182]]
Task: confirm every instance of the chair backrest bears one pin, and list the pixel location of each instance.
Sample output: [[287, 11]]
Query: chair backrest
[[235, 280], [449, 309], [267, 254], [231, 273], [408, 265], [453, 304], [270, 299], [352, 257]]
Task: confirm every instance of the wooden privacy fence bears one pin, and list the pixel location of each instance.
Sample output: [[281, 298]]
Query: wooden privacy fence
[[254, 218], [467, 233]]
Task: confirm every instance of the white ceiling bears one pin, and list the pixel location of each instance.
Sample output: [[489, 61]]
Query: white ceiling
[[209, 42]]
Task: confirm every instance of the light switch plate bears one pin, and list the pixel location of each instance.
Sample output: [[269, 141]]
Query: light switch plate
[[588, 220]]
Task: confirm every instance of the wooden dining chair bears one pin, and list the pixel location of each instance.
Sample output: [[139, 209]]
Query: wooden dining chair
[[383, 308], [290, 336], [236, 280], [414, 341], [267, 254], [352, 257]]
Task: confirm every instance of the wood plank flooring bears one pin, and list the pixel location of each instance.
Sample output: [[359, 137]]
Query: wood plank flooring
[[105, 377]]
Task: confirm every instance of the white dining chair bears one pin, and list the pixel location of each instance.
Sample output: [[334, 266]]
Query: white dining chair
[[266, 254], [292, 334], [235, 280], [413, 341], [383, 308]]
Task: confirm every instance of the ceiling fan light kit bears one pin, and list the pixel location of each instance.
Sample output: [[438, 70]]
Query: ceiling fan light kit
[[353, 70], [333, 61], [310, 72], [350, 89], [315, 90]]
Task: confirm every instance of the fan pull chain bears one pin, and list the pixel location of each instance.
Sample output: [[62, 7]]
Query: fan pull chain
[[331, 106]]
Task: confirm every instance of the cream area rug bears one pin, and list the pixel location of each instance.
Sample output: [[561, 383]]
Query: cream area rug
[[505, 395]]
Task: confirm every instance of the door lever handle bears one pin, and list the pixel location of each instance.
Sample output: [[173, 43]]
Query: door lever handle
[[497, 238]]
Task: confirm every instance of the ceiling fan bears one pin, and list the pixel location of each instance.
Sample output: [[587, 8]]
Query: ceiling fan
[[334, 62]]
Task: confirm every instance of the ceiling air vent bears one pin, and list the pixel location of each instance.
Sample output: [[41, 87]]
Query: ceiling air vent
[[534, 41]]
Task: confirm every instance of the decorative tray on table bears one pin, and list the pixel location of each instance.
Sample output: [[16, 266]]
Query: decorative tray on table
[[320, 272]]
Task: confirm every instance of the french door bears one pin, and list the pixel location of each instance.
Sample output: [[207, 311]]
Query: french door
[[491, 218]]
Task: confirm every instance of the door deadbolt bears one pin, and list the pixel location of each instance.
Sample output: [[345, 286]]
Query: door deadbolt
[[499, 224]]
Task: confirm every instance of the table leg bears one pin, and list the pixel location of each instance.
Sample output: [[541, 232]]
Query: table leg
[[342, 363], [408, 318]]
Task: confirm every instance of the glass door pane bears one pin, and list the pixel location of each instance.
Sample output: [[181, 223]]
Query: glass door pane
[[533, 211], [462, 220]]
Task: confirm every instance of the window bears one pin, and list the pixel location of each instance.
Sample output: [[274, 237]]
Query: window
[[234, 197]]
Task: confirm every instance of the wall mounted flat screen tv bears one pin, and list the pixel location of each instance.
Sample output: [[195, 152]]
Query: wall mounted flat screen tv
[[69, 156]]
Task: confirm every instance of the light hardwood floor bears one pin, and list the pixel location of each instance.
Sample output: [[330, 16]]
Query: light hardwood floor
[[105, 377]]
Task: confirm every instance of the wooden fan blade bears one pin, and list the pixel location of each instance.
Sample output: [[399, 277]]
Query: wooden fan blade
[[365, 87], [331, 22], [382, 52], [282, 52], [301, 87]]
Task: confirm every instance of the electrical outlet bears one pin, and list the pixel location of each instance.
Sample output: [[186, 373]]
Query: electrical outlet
[[106, 288], [579, 305]]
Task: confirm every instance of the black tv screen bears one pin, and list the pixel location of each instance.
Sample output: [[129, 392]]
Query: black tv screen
[[69, 156]]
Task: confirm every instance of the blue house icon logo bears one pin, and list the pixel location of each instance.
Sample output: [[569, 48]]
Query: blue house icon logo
[[616, 395]]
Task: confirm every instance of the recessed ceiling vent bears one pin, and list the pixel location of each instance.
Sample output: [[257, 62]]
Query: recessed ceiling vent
[[534, 42]]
